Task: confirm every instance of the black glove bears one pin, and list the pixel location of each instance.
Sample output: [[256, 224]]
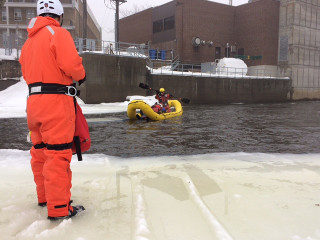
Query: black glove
[[82, 80]]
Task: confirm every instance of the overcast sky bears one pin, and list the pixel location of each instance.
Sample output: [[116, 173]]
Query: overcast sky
[[104, 11]]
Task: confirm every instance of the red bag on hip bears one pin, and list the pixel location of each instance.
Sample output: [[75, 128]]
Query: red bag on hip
[[81, 141]]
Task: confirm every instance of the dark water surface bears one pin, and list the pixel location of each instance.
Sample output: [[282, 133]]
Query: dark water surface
[[268, 128]]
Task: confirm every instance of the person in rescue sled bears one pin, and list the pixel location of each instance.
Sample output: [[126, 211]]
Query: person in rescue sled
[[163, 98], [49, 64]]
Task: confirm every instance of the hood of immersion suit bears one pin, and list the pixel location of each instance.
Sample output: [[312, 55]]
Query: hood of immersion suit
[[38, 23]]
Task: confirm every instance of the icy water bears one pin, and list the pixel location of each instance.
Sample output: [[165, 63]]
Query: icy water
[[292, 127]]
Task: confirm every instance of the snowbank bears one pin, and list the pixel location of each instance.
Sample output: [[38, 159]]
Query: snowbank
[[13, 100]]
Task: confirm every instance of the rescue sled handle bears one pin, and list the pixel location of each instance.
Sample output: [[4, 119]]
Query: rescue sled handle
[[145, 86]]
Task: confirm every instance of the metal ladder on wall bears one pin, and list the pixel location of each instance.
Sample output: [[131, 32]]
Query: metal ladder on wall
[[175, 63]]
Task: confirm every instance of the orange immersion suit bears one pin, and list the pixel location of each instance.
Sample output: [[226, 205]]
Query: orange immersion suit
[[50, 56]]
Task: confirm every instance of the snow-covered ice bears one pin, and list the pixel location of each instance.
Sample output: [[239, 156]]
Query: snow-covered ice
[[212, 196], [245, 196]]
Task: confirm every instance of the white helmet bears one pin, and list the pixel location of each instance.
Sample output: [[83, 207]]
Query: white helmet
[[49, 6]]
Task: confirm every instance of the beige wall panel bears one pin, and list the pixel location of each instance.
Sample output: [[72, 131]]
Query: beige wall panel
[[302, 15], [289, 15], [316, 58], [301, 56], [297, 15], [314, 18], [306, 61]]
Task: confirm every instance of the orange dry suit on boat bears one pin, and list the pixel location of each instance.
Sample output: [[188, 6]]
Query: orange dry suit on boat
[[48, 58]]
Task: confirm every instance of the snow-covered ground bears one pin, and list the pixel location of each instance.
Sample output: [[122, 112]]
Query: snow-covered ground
[[245, 196], [13, 102]]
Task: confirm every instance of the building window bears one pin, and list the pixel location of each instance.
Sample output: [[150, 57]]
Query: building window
[[169, 23], [30, 13], [4, 14], [158, 26], [17, 14], [283, 53]]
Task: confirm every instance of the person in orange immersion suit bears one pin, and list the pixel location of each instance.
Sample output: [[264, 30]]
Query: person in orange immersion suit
[[49, 63]]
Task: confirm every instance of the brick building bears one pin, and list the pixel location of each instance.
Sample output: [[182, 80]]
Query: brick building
[[202, 31], [281, 35], [16, 14]]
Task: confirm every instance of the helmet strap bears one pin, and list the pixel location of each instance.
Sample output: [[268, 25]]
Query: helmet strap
[[61, 20]]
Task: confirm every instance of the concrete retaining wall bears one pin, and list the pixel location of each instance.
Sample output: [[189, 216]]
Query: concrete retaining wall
[[7, 83], [10, 73], [10, 69], [201, 90], [113, 78]]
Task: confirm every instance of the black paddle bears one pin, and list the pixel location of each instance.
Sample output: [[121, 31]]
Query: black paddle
[[145, 86]]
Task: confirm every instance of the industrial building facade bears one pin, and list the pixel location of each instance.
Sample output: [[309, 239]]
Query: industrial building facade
[[282, 35], [16, 14], [299, 45], [223, 30]]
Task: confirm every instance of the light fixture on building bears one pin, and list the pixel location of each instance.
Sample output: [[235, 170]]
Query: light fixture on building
[[196, 41], [210, 43]]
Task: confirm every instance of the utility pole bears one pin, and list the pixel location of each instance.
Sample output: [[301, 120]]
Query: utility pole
[[116, 37], [84, 25], [17, 41]]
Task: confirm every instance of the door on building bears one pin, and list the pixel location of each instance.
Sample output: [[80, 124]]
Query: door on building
[[218, 53]]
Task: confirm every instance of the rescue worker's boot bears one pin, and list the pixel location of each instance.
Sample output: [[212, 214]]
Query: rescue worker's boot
[[73, 211]]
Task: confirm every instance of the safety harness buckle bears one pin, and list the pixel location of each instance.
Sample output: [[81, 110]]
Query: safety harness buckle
[[71, 91]]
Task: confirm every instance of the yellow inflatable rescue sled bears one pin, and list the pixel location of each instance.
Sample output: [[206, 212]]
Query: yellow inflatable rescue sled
[[135, 105]]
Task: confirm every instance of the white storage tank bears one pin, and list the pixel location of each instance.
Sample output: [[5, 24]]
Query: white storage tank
[[232, 66]]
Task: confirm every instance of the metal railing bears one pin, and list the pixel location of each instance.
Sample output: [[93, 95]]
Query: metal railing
[[159, 66], [112, 48], [196, 70]]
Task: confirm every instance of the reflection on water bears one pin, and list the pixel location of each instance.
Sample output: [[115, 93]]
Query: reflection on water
[[272, 128]]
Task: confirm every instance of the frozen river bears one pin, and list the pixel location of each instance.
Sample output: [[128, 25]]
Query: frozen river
[[268, 128]]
